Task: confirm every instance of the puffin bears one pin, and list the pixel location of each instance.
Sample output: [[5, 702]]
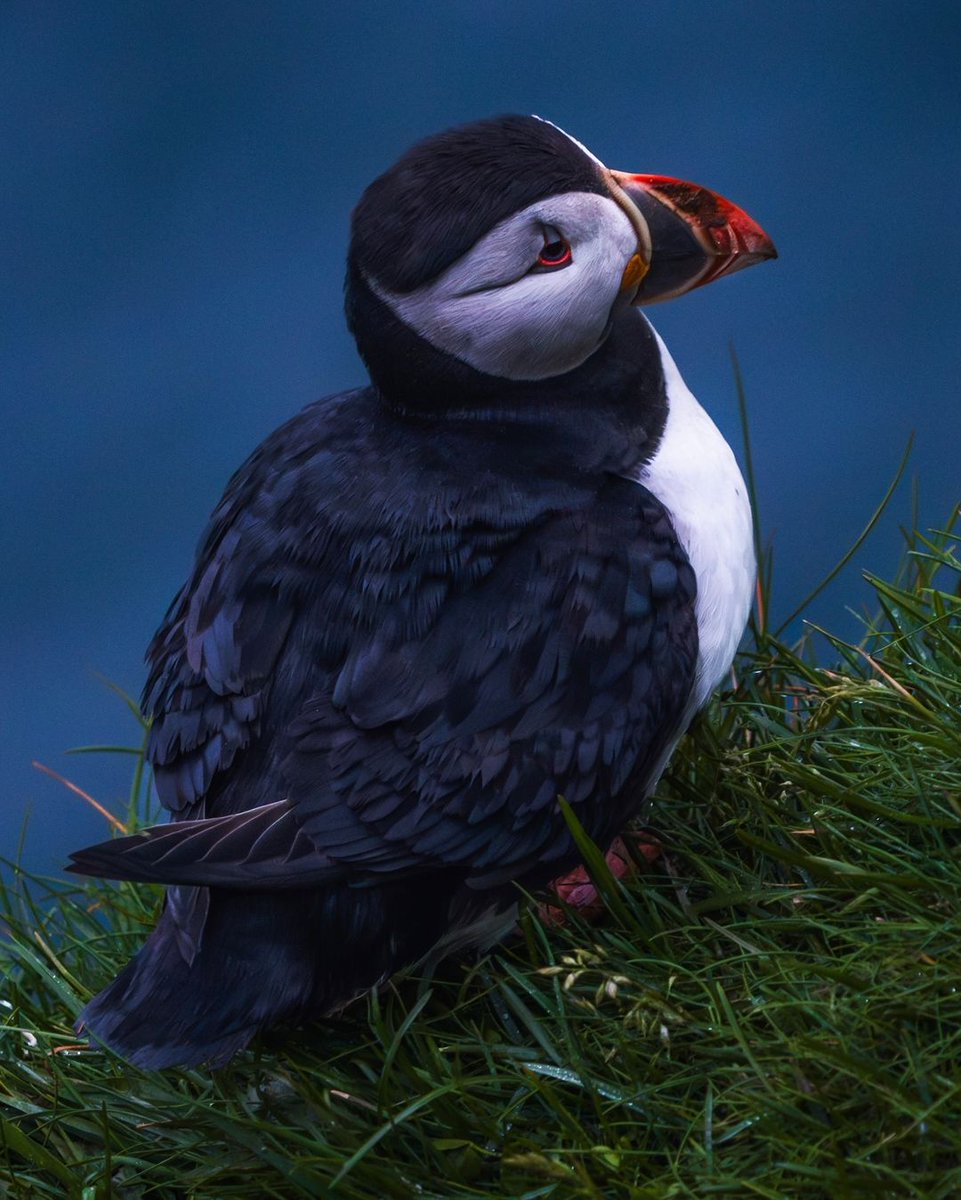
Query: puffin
[[502, 576]]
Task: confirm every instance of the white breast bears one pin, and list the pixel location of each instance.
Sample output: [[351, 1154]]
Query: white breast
[[696, 477]]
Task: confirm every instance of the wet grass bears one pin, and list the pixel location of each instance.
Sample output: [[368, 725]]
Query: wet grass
[[771, 1009]]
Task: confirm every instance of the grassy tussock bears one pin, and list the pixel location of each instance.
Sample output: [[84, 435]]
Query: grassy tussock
[[771, 1009]]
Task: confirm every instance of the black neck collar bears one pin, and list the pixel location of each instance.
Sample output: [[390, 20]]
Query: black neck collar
[[607, 414]]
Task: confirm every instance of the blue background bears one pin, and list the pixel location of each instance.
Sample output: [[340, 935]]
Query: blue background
[[175, 187]]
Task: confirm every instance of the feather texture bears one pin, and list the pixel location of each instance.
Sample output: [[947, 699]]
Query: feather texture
[[400, 642]]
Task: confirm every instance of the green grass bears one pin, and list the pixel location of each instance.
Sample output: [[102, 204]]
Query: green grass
[[772, 1009]]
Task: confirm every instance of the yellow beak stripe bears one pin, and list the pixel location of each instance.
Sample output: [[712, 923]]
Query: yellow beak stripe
[[634, 272]]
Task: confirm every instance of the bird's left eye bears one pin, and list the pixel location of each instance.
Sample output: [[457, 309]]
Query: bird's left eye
[[556, 251]]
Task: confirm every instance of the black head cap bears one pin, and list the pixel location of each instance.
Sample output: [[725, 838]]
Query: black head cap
[[447, 191]]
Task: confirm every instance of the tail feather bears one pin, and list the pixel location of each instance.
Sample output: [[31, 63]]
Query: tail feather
[[261, 959]]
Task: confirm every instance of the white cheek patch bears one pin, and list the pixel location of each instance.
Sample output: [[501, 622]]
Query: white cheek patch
[[491, 312]]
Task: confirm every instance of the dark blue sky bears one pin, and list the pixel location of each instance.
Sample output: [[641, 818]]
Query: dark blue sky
[[175, 188]]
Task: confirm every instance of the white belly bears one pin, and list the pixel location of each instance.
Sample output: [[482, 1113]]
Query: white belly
[[696, 477]]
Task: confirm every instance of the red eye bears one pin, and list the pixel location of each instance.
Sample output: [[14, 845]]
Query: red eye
[[556, 252]]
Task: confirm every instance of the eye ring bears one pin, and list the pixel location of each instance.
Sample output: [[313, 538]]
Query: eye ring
[[555, 253]]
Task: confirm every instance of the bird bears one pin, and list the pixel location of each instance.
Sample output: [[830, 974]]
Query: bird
[[503, 575]]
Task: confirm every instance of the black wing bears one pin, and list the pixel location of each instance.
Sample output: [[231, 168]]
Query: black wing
[[408, 671]]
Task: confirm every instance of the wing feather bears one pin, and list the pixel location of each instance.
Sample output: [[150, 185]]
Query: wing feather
[[402, 676]]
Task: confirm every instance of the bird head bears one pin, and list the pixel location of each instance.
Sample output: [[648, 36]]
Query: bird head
[[507, 247]]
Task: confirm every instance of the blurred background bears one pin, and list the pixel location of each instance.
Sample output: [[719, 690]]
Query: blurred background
[[176, 181]]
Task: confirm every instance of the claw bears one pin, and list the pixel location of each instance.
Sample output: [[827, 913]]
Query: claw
[[576, 890]]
